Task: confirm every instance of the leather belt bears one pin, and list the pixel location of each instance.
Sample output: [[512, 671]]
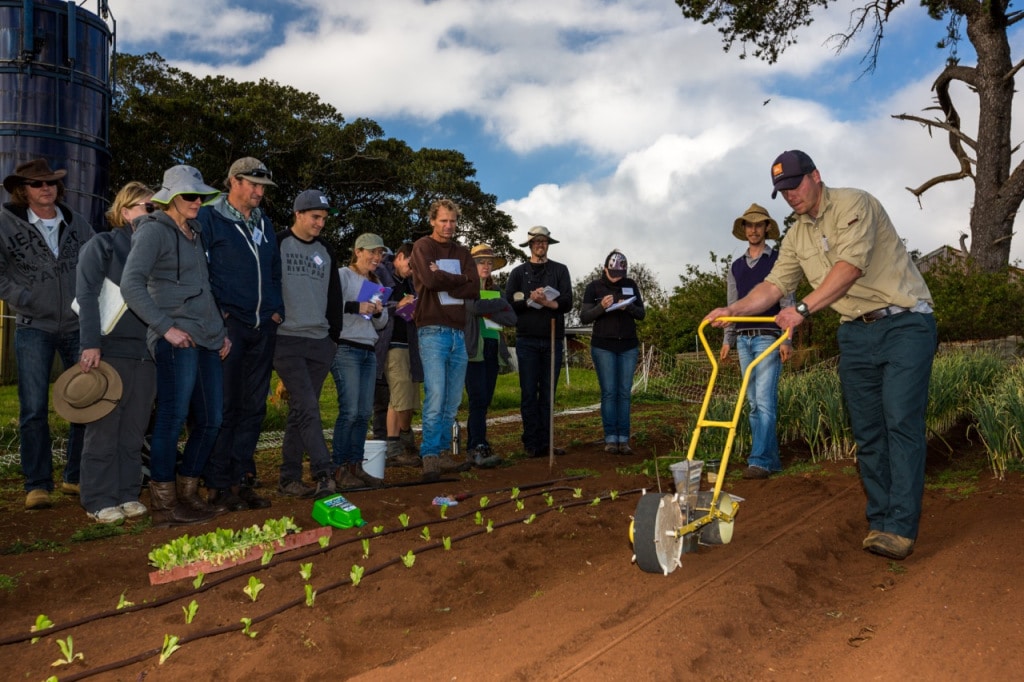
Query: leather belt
[[759, 332], [876, 315]]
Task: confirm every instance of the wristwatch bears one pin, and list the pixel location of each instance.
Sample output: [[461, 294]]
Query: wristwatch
[[802, 308]]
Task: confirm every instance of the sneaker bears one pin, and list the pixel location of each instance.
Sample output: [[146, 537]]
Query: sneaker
[[890, 545], [624, 449], [69, 488], [296, 489], [133, 509], [324, 486], [431, 468], [756, 473], [37, 499], [448, 465], [107, 515], [611, 448], [482, 457]]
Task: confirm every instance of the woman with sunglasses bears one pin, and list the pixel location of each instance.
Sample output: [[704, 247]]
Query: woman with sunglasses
[[166, 283], [111, 458]]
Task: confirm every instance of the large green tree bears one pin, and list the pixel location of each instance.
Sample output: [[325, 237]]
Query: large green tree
[[163, 116], [985, 156]]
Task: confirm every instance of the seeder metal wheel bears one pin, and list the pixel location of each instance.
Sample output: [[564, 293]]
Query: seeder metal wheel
[[719, 532], [655, 545]]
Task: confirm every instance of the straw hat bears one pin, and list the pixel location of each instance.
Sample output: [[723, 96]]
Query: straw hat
[[83, 397], [755, 214], [485, 251]]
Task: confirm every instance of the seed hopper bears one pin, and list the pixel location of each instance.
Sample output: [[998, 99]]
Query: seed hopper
[[667, 525]]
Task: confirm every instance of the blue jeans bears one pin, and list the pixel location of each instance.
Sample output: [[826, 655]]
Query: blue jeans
[[885, 367], [615, 376], [188, 380], [443, 354], [246, 385], [763, 399], [355, 373], [34, 352], [481, 378], [534, 357]]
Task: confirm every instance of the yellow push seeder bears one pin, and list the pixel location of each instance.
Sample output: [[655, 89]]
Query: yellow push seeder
[[664, 526]]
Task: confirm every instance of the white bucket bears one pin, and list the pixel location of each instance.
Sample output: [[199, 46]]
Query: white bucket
[[373, 457]]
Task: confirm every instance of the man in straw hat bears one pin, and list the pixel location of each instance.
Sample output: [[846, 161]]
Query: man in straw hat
[[540, 291], [850, 252], [40, 238], [752, 338]]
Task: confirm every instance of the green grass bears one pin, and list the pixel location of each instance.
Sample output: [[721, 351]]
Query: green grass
[[19, 547], [956, 484], [8, 583]]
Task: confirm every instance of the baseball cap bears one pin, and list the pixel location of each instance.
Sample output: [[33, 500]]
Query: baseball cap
[[616, 265], [789, 169], [369, 241], [312, 199], [252, 170]]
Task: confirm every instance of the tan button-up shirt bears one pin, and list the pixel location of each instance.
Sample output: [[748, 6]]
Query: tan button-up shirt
[[852, 226]]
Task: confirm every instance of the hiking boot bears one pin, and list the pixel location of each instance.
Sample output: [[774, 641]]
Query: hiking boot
[[344, 479], [324, 486], [408, 441], [37, 499], [252, 500], [448, 465], [756, 473], [890, 545], [133, 509], [371, 481], [544, 452], [107, 515], [392, 452], [431, 468], [482, 457], [611, 448], [227, 499], [69, 488], [188, 496], [166, 509], [624, 449], [406, 459], [870, 539], [296, 489]]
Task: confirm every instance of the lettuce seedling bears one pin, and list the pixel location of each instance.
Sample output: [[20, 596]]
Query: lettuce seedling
[[170, 646], [253, 588], [356, 574], [190, 611], [67, 648]]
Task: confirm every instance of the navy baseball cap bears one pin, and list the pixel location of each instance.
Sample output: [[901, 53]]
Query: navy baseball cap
[[312, 199], [789, 169]]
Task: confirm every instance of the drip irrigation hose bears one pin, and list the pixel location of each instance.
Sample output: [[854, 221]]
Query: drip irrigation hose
[[224, 629], [277, 560]]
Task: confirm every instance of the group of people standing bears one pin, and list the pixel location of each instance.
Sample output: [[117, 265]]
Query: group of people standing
[[212, 300]]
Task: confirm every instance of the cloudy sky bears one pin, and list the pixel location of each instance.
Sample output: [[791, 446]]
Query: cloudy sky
[[615, 124]]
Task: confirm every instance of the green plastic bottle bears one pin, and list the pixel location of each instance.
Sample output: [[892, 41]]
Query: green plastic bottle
[[338, 512]]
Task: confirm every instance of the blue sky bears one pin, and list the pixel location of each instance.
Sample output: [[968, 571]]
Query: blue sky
[[615, 124]]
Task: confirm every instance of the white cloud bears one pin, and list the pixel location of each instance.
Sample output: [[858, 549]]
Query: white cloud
[[682, 127]]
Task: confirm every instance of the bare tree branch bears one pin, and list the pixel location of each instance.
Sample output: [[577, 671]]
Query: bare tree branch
[[937, 123]]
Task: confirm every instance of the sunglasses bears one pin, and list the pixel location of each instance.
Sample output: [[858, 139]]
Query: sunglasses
[[191, 196], [259, 173], [148, 205], [36, 184]]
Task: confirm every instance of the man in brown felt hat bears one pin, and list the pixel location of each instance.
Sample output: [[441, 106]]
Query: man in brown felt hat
[[40, 238], [752, 338]]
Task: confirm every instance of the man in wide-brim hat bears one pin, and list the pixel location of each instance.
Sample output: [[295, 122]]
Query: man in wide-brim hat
[[40, 238]]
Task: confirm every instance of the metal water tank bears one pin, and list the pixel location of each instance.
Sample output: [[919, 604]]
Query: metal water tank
[[55, 95]]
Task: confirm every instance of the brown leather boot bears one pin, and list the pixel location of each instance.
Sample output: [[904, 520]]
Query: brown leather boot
[[356, 469], [188, 495], [165, 510]]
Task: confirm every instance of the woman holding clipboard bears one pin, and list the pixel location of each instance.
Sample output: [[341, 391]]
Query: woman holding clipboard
[[355, 365], [613, 303]]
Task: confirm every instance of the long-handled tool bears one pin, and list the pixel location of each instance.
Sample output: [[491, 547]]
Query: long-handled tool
[[664, 526]]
